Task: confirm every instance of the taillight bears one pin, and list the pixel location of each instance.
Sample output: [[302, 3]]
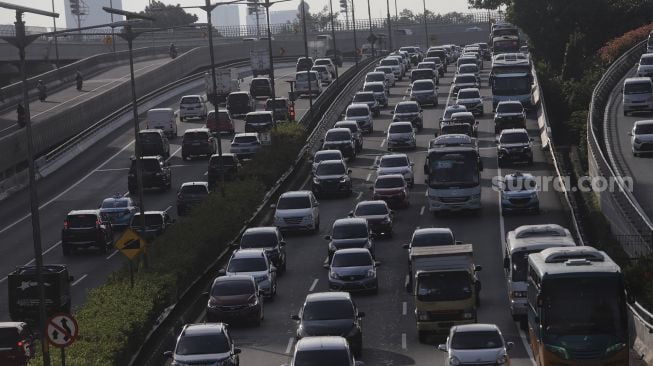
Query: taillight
[[20, 344], [98, 222], [65, 224]]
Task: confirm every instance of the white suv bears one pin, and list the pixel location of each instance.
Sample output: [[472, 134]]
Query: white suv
[[328, 63], [297, 210], [642, 137], [396, 164], [645, 65], [476, 344], [637, 95], [397, 66], [192, 106]]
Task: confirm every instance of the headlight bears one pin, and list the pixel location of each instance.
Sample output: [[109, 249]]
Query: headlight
[[502, 360], [371, 273], [519, 294], [316, 180], [309, 217], [527, 148], [615, 348], [422, 315], [333, 275], [343, 180], [454, 361], [261, 278], [386, 220], [476, 197], [558, 351], [638, 141]]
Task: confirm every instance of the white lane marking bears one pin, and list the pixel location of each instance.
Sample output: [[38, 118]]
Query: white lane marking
[[502, 228], [359, 195], [3, 279], [313, 285], [382, 143], [421, 211], [79, 280], [291, 341], [404, 308], [167, 208], [369, 175], [44, 253], [112, 254], [206, 173], [111, 170], [376, 161], [524, 341], [403, 340], [174, 153]]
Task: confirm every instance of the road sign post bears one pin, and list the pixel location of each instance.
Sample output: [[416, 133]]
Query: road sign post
[[130, 244], [61, 331]]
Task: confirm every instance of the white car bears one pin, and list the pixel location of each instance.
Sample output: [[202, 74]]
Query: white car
[[396, 164], [645, 65], [255, 263], [192, 106], [395, 64], [642, 137], [325, 75], [329, 65], [637, 95], [476, 344], [362, 114], [401, 135], [297, 210], [376, 75], [469, 69], [389, 75]]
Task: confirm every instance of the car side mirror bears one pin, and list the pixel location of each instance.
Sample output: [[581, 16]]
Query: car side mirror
[[458, 242], [327, 237], [273, 205], [361, 314], [294, 317], [406, 246], [442, 347], [351, 214], [282, 243], [506, 262], [205, 293], [377, 263], [273, 269], [167, 354], [348, 171], [509, 346], [478, 268], [222, 272]]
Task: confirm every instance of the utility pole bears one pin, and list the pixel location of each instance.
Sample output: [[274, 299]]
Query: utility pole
[[389, 27], [56, 41], [333, 38], [353, 23], [369, 16], [308, 73]]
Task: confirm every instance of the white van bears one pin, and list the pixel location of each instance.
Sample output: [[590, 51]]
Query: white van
[[301, 83], [637, 94], [162, 119]]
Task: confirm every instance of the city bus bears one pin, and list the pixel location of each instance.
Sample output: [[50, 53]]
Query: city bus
[[576, 308], [453, 178], [505, 44], [511, 78]]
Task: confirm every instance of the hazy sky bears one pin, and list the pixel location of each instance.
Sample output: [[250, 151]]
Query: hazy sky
[[378, 8]]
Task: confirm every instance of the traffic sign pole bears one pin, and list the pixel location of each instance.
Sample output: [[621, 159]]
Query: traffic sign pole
[[63, 356]]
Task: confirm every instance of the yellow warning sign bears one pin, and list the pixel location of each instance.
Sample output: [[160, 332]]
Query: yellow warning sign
[[130, 244]]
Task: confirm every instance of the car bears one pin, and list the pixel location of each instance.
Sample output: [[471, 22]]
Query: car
[[455, 139], [397, 164], [464, 81], [362, 114], [378, 76], [255, 263], [402, 63], [401, 135], [514, 145], [469, 69], [240, 103], [409, 111], [395, 64], [389, 76], [431, 237], [258, 121], [391, 188], [328, 63], [230, 167], [323, 351], [414, 52], [325, 74], [304, 63], [471, 99], [164, 119], [368, 98], [322, 155], [476, 344], [424, 92], [235, 299], [485, 50], [438, 64], [331, 313], [509, 114], [351, 232], [473, 29], [340, 139], [440, 53], [118, 210], [645, 65], [192, 106], [378, 215], [302, 85], [336, 56], [331, 177], [446, 116], [268, 238], [380, 92], [637, 95], [206, 343], [427, 65], [156, 173], [153, 142], [156, 223], [424, 74], [297, 210], [198, 142], [260, 87], [191, 194], [83, 229], [466, 118], [641, 137], [280, 109], [356, 132], [353, 270], [451, 128], [222, 124], [468, 59], [16, 343], [245, 144], [519, 194]]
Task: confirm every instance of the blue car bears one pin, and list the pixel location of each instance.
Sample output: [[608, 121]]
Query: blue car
[[119, 210], [519, 194]]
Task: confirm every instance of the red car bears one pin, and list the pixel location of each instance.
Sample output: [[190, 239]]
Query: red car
[[16, 344], [391, 188], [224, 123]]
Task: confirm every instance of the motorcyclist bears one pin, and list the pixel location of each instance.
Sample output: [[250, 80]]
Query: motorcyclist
[[173, 50], [42, 90], [79, 79]]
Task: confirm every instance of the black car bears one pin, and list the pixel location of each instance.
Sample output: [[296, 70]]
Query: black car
[[154, 142], [156, 174], [205, 344], [84, 229], [230, 164], [234, 299], [23, 296], [378, 215], [270, 239], [331, 177], [198, 142], [514, 145], [349, 233], [409, 111], [260, 87], [304, 64], [156, 223], [331, 314], [240, 103], [191, 194]]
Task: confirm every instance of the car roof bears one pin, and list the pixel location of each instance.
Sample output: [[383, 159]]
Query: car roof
[[152, 130], [351, 251], [372, 202], [191, 95], [246, 134], [644, 122], [462, 114], [377, 72], [375, 83], [466, 74], [325, 152], [634, 80], [83, 212], [504, 102], [408, 102], [469, 90], [350, 221], [400, 123], [332, 162], [423, 81], [240, 92], [359, 105], [517, 175], [433, 230], [150, 213], [248, 253], [199, 129], [514, 130], [267, 113], [261, 229], [327, 296], [323, 59], [298, 193], [338, 129], [202, 329], [366, 92], [475, 328], [341, 124], [387, 156], [224, 154], [320, 343], [389, 176], [233, 278], [261, 78], [188, 184]]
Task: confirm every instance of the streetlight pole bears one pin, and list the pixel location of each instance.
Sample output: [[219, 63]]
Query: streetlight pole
[[426, 26], [56, 41], [308, 73], [369, 16], [113, 32], [389, 27], [396, 14], [333, 38], [353, 23]]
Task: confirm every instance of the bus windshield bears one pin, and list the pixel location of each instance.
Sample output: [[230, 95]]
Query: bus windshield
[[505, 46], [453, 169], [444, 286], [517, 85]]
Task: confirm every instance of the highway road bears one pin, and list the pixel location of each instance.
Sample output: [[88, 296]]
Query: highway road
[[389, 333], [639, 168], [98, 173]]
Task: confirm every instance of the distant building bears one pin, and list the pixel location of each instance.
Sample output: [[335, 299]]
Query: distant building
[[92, 12], [276, 17], [228, 15]]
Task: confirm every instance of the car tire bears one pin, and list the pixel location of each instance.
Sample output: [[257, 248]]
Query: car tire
[[316, 228]]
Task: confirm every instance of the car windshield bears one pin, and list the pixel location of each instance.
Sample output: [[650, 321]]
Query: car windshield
[[375, 77], [394, 162], [389, 62], [509, 108], [190, 100], [293, 203], [351, 260], [407, 108], [423, 86], [389, 182], [402, 128], [519, 263], [227, 160], [233, 288], [115, 203], [247, 265], [476, 340], [374, 88], [302, 76], [196, 136], [357, 112], [349, 231], [338, 136], [330, 169], [260, 83], [514, 138], [245, 139], [149, 137], [194, 189], [644, 129], [202, 344], [453, 169], [327, 156], [150, 220], [81, 221], [8, 338], [258, 240], [444, 286], [322, 357], [148, 165], [637, 88], [258, 118], [369, 209], [432, 239], [328, 310], [237, 98], [468, 94], [364, 97]]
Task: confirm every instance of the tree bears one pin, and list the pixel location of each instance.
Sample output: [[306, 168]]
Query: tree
[[487, 4], [168, 15], [319, 21]]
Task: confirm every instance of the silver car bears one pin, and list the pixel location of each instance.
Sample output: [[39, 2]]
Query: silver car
[[245, 144], [362, 114], [476, 344], [401, 135], [255, 263], [380, 91], [389, 75], [642, 137], [397, 164], [323, 155], [297, 210], [471, 99], [353, 269]]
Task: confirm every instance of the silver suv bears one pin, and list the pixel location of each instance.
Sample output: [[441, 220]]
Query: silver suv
[[360, 113], [255, 263]]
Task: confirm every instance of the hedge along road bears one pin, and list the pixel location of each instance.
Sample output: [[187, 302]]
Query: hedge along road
[[96, 174], [389, 334]]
